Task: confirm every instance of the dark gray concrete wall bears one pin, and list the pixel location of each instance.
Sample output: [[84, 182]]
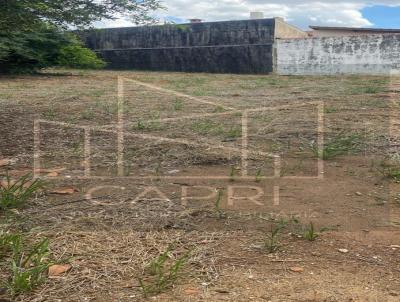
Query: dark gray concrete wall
[[182, 35], [225, 47], [217, 59], [367, 54]]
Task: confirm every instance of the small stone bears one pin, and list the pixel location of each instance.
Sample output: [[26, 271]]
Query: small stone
[[358, 193], [344, 251]]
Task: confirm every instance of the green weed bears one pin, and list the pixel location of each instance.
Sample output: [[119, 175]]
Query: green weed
[[208, 127], [88, 114], [107, 107], [259, 175], [338, 146], [366, 90], [219, 109], [49, 114], [147, 126], [330, 110], [28, 269], [178, 105], [221, 214], [310, 234], [271, 242], [233, 132], [9, 242], [15, 194], [232, 174], [390, 168], [162, 276], [28, 264], [77, 148]]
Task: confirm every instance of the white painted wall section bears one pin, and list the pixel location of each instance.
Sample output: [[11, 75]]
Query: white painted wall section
[[367, 54]]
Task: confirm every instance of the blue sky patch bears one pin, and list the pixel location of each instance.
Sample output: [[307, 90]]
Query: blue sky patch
[[383, 16]]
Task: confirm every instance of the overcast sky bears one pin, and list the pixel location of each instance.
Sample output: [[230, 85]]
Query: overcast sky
[[357, 13]]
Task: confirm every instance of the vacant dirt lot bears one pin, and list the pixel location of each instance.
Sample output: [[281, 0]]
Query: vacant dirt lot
[[208, 166]]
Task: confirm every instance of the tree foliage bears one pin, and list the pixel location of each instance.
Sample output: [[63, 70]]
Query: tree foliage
[[77, 56], [33, 33], [25, 51], [27, 14]]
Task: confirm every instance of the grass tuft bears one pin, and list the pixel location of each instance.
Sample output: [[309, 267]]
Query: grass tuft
[[271, 242], [161, 275], [220, 213], [15, 194], [390, 168], [28, 264], [338, 146], [259, 175], [310, 234]]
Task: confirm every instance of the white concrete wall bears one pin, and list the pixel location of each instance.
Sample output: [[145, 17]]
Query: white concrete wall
[[369, 54], [318, 33]]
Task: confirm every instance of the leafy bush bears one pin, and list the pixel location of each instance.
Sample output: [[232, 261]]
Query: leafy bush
[[29, 51], [77, 56], [22, 52]]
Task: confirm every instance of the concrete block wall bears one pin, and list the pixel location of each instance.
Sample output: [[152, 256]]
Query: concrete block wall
[[182, 35], [215, 59], [244, 46], [366, 54]]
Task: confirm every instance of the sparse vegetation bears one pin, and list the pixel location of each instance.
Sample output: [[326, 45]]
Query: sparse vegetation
[[271, 242], [233, 132], [390, 168], [258, 175], [232, 174], [330, 110], [366, 90], [178, 105], [147, 126], [27, 264], [49, 114], [120, 238], [310, 234], [220, 213], [337, 146], [162, 273], [219, 109], [15, 194], [208, 127]]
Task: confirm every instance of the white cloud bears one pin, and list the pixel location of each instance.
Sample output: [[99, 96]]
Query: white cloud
[[296, 12], [300, 13]]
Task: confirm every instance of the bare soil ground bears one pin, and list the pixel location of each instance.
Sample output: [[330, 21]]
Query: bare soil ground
[[149, 153]]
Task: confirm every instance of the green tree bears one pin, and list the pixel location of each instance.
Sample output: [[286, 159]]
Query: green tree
[[27, 14], [33, 33]]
